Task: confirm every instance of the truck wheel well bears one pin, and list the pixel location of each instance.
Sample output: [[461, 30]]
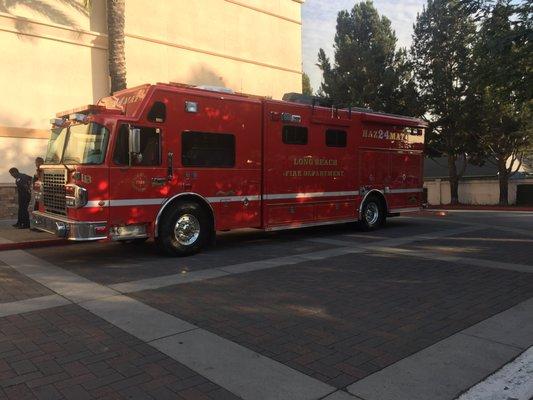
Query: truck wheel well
[[191, 198], [379, 195]]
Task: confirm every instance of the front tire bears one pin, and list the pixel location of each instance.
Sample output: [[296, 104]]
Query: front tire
[[373, 213], [184, 230]]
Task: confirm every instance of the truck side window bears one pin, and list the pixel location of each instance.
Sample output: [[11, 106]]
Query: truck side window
[[335, 138], [202, 149], [294, 134], [158, 112], [150, 147]]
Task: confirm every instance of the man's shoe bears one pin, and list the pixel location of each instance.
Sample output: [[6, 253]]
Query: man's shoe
[[15, 225]]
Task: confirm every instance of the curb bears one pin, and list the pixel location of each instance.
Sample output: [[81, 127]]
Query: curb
[[479, 208], [33, 244], [464, 210]]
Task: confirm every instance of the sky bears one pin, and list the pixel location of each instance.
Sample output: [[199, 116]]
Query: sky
[[320, 19]]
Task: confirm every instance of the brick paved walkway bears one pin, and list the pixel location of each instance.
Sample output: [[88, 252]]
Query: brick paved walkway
[[69, 353], [345, 319]]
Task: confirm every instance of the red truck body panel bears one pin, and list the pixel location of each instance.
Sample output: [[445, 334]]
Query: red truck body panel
[[272, 184]]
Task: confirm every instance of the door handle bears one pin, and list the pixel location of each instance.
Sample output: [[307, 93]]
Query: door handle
[[159, 181]]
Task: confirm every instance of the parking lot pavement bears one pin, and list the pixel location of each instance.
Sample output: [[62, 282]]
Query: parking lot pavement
[[487, 244], [331, 313], [345, 319], [113, 263]]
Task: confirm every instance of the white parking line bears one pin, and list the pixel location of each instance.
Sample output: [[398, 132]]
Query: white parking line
[[513, 381], [340, 395], [34, 304], [136, 318], [168, 280], [64, 283], [240, 370], [454, 259]]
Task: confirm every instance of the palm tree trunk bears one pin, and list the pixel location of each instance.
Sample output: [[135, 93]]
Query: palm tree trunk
[[116, 48]]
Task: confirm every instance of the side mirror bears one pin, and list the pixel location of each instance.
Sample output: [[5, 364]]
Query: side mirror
[[134, 145], [134, 140]]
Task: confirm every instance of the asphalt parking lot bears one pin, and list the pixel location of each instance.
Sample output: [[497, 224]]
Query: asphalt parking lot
[[425, 308]]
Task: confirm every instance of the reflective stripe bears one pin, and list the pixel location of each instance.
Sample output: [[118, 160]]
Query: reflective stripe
[[221, 199], [308, 195], [125, 202], [136, 202], [228, 199], [96, 203]]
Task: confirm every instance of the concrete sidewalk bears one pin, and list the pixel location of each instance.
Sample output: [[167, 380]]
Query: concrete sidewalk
[[12, 238]]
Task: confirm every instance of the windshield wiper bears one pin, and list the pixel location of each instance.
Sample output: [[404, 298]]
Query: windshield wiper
[[71, 159]]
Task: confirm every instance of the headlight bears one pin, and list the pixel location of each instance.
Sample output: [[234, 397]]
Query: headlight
[[38, 189], [75, 196]]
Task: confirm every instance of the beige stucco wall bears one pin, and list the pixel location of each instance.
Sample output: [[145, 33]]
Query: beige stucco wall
[[57, 52], [477, 192]]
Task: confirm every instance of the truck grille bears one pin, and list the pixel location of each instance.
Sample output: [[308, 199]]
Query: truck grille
[[54, 191]]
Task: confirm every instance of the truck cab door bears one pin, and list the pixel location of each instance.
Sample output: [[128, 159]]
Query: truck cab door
[[138, 184]]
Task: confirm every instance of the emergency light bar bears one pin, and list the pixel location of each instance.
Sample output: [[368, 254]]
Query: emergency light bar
[[87, 109], [58, 122], [78, 118]]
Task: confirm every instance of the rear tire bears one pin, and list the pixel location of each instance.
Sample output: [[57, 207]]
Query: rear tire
[[184, 230], [373, 213]]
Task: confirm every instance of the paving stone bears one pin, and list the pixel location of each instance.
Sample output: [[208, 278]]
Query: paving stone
[[76, 392], [47, 392]]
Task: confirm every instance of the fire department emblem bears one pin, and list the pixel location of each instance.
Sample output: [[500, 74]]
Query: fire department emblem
[[139, 182], [86, 178]]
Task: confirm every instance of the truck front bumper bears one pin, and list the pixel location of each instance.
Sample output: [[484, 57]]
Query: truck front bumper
[[69, 229]]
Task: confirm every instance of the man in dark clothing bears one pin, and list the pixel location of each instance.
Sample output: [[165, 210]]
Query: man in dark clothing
[[23, 182]]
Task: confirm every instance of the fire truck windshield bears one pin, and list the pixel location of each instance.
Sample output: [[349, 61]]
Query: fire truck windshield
[[78, 144]]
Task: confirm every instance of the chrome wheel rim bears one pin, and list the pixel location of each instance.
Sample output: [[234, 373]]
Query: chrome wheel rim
[[187, 229], [372, 214]]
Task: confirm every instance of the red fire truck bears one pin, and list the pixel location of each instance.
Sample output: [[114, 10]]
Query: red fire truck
[[178, 163]]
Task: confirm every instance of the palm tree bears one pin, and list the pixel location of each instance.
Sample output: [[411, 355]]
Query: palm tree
[[116, 48]]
